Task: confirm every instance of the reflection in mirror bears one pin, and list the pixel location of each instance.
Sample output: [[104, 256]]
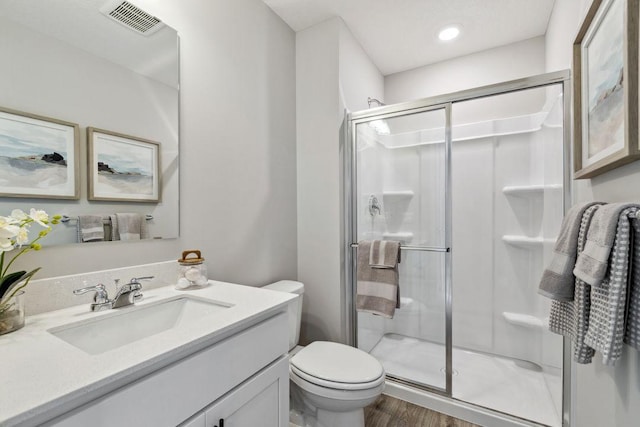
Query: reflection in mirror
[[70, 61]]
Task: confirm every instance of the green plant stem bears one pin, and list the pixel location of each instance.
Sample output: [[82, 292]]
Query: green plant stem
[[25, 249], [1, 263]]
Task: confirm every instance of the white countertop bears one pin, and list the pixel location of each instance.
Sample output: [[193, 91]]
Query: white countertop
[[43, 376]]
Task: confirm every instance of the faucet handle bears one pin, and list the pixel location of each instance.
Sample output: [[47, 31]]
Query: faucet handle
[[136, 280], [101, 295]]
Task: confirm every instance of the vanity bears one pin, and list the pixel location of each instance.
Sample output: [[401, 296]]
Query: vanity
[[210, 357]]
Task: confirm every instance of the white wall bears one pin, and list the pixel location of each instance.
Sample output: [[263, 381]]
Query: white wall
[[603, 395], [333, 73], [238, 179], [509, 62], [318, 178]]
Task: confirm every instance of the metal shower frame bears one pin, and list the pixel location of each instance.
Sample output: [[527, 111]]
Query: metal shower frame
[[445, 102]]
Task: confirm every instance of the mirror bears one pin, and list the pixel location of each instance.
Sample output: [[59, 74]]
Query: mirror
[[69, 61]]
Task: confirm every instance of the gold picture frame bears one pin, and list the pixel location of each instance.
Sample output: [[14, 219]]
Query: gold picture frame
[[122, 167], [39, 156], [605, 88]]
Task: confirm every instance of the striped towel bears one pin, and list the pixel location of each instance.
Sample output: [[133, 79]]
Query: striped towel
[[384, 254], [571, 318], [377, 289], [91, 228], [609, 298]]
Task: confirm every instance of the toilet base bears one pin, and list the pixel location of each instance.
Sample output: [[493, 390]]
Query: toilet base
[[334, 419]]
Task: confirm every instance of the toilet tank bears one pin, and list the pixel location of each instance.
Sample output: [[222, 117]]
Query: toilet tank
[[294, 309]]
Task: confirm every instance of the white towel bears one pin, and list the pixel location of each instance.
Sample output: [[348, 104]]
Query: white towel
[[91, 228]]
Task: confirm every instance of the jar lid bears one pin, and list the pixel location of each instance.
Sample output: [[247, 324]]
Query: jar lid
[[193, 260]]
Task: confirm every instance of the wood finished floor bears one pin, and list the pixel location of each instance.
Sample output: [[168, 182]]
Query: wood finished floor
[[390, 412]]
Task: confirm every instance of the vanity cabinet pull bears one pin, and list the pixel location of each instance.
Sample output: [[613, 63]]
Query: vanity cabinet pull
[[221, 422]]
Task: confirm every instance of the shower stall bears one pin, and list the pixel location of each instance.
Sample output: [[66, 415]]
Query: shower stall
[[474, 185]]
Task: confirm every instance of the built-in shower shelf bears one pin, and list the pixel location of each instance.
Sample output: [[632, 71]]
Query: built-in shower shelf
[[400, 194], [526, 241], [525, 320], [404, 237], [529, 190]]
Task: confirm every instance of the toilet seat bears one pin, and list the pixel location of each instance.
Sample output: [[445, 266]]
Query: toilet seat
[[335, 384], [337, 366]]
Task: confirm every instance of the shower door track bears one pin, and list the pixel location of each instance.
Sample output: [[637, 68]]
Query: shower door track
[[350, 204]]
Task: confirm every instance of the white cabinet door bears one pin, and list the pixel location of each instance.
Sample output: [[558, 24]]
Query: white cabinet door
[[198, 421], [262, 400]]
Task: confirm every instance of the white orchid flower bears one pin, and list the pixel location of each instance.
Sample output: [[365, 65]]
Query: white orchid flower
[[18, 215], [23, 236], [5, 245], [8, 229], [39, 216]]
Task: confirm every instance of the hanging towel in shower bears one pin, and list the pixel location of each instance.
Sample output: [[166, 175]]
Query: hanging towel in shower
[[377, 289], [609, 297], [384, 254], [571, 318], [558, 281], [91, 228], [593, 262]]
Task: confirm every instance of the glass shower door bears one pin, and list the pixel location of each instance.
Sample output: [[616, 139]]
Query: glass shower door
[[400, 182], [507, 186]]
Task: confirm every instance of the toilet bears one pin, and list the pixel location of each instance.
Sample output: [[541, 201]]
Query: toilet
[[332, 382]]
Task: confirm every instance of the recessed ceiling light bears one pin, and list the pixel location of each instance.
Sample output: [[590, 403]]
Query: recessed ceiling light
[[449, 33]]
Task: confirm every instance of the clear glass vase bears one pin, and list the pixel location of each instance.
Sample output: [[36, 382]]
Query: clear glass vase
[[12, 313]]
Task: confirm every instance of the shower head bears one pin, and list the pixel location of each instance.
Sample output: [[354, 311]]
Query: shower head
[[372, 100]]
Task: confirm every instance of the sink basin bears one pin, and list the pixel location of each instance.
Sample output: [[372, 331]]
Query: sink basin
[[127, 325]]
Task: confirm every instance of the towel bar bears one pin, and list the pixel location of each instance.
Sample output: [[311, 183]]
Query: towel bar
[[416, 248], [106, 220]]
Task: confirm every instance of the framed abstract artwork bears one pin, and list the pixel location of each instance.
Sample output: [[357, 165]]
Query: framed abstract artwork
[[123, 167], [605, 65], [38, 156]]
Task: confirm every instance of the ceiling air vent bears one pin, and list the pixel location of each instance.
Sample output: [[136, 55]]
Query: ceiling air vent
[[132, 17]]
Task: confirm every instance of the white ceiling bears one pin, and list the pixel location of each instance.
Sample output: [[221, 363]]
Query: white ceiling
[[400, 35]]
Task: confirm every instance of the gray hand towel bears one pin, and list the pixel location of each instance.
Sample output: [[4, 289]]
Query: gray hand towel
[[632, 328], [115, 230], [557, 280], [571, 318], [384, 254], [377, 289], [592, 263], [129, 226], [609, 299], [91, 228]]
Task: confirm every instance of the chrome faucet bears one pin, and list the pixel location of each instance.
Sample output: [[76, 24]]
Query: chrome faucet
[[125, 295]]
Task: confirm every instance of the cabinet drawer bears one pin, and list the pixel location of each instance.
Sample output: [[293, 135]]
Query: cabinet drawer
[[173, 394]]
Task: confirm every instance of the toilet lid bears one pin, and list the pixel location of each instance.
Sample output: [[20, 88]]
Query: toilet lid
[[337, 363]]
